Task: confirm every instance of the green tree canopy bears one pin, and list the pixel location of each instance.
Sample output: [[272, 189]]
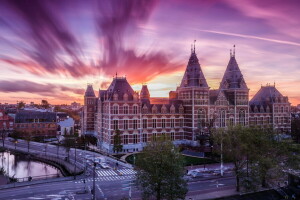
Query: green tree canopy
[[160, 171], [21, 105], [117, 142], [259, 157], [45, 104]]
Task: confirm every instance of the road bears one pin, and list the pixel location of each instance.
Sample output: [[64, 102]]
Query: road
[[110, 183]]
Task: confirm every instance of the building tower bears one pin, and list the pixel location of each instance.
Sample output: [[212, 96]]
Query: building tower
[[193, 91], [89, 110], [235, 89]]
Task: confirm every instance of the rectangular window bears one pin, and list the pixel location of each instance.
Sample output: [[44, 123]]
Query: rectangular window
[[125, 109], [144, 137], [163, 123], [144, 123], [154, 123], [125, 139], [125, 124], [181, 122], [135, 139], [172, 123], [115, 124], [135, 126], [172, 136], [115, 109], [135, 110], [231, 121]]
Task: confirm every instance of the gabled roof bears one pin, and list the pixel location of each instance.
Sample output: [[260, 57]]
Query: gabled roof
[[193, 76], [265, 94], [120, 86], [233, 77], [89, 91]]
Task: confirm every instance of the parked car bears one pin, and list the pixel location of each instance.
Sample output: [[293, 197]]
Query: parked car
[[196, 174]]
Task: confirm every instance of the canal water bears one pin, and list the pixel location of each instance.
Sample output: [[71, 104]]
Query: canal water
[[21, 167]]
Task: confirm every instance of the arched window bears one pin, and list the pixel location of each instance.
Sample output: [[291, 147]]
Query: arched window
[[135, 109], [125, 109], [201, 117], [222, 118], [115, 109], [242, 117]]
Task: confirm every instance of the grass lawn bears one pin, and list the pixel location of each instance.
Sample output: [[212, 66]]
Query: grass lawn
[[187, 159]]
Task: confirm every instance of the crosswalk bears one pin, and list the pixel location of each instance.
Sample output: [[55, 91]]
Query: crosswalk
[[110, 172], [107, 178], [111, 175], [106, 173]]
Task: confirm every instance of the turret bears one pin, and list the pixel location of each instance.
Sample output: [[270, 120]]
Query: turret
[[145, 92]]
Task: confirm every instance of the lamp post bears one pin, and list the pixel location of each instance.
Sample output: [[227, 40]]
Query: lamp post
[[16, 142], [75, 168], [222, 153]]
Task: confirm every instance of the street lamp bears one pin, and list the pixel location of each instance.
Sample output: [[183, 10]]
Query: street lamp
[[75, 168], [16, 141]]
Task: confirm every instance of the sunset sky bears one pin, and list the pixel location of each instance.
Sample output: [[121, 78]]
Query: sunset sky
[[53, 49]]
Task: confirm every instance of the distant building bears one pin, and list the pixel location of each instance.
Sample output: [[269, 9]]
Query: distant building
[[189, 113], [36, 123], [66, 126], [6, 121]]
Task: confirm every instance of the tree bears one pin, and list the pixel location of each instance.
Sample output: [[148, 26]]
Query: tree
[[15, 135], [90, 139], [45, 104], [295, 129], [65, 131], [233, 140], [258, 157], [21, 105], [68, 143], [117, 142], [71, 131], [160, 171], [3, 136], [28, 138]]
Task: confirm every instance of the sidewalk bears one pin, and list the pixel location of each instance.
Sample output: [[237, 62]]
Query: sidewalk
[[214, 166], [212, 193]]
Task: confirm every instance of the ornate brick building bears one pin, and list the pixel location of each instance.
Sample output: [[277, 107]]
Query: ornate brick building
[[192, 109]]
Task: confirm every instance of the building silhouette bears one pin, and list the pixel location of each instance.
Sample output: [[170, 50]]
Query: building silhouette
[[192, 110]]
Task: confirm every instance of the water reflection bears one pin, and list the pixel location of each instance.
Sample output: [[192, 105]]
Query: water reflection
[[20, 166]]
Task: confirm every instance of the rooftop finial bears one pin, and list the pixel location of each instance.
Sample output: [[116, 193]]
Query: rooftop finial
[[233, 50], [191, 48], [194, 46], [230, 53], [116, 74]]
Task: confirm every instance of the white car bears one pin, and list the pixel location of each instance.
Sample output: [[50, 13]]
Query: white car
[[104, 165], [197, 174]]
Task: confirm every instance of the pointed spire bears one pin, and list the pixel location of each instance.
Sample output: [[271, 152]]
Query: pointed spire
[[233, 50], [194, 46], [89, 91], [233, 77], [193, 76], [145, 94]]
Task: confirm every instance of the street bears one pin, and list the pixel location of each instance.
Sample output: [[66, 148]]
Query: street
[[109, 183]]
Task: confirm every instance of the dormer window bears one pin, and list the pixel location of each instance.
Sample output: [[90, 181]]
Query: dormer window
[[154, 109], [115, 97], [181, 109], [135, 97], [163, 109], [172, 109], [145, 109], [125, 97]]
